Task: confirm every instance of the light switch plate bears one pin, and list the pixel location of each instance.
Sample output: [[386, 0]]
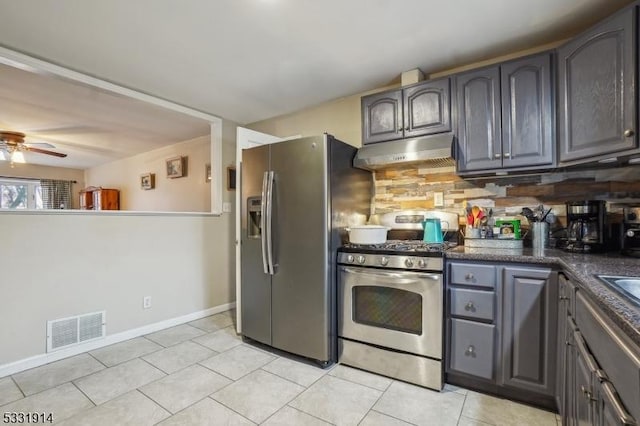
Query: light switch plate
[[226, 207], [438, 199]]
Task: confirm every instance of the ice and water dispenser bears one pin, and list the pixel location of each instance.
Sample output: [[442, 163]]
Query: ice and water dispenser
[[254, 210]]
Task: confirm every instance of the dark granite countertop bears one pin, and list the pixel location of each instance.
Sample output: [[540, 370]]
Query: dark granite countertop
[[581, 267]]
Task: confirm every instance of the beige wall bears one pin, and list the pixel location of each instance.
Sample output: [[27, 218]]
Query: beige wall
[[35, 171], [59, 265], [191, 193], [63, 264], [342, 117]]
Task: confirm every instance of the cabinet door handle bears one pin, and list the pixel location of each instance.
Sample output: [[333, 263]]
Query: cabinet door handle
[[470, 351], [587, 394], [469, 277], [629, 132], [497, 155], [470, 306], [400, 129], [564, 298], [507, 155]]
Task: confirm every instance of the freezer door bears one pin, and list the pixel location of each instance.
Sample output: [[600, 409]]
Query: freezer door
[[301, 293], [255, 283]]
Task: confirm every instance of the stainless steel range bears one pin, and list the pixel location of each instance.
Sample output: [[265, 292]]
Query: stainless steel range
[[390, 314]]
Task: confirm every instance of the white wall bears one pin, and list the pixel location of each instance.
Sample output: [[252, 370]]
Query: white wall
[[59, 265], [191, 193], [55, 265]]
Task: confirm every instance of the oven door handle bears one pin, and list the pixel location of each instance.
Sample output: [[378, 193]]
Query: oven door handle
[[396, 275]]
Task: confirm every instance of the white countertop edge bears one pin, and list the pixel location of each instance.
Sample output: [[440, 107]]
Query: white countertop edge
[[65, 212]]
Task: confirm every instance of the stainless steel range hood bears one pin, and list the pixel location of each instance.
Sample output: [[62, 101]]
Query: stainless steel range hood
[[435, 150]]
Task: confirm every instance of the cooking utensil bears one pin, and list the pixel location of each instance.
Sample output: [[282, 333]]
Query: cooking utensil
[[545, 215], [367, 234]]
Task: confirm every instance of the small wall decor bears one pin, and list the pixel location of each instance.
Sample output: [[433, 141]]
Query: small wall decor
[[148, 181], [207, 172], [231, 178], [176, 167]]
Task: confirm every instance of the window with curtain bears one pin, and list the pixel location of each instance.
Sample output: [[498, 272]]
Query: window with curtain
[[56, 194], [17, 194]]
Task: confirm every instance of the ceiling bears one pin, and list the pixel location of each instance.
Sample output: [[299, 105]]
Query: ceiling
[[245, 60]]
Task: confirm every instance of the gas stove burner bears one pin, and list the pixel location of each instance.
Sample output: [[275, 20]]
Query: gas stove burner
[[404, 246]]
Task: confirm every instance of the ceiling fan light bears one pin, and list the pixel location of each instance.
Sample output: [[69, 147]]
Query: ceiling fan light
[[17, 157]]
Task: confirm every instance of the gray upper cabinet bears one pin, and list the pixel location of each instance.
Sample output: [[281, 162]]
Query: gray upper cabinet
[[479, 134], [505, 116], [382, 117], [529, 329], [527, 108], [426, 108], [597, 90], [418, 110]]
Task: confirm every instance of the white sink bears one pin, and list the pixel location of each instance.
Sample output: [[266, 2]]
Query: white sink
[[627, 286]]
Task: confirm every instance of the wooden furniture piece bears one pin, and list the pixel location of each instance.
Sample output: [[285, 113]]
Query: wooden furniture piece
[[98, 198]]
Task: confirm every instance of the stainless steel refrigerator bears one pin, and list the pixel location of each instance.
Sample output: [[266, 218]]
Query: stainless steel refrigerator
[[297, 198]]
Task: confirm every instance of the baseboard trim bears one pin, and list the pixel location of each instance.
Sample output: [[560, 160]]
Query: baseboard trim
[[42, 359]]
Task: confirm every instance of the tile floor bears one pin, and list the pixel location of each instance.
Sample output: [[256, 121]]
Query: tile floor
[[202, 373]]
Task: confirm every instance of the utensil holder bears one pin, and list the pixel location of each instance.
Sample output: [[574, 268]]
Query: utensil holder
[[540, 237]]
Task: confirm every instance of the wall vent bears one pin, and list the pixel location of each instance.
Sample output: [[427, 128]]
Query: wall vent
[[71, 331]]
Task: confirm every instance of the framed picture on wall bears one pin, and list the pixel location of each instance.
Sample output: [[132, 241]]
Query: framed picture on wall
[[207, 172], [175, 167], [148, 181], [231, 178]]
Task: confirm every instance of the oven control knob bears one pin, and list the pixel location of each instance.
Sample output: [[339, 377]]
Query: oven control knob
[[409, 263], [421, 263], [350, 258], [384, 260], [630, 233], [361, 259], [632, 216]]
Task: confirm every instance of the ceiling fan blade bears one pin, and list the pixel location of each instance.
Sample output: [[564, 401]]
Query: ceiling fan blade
[[44, 151], [41, 144]]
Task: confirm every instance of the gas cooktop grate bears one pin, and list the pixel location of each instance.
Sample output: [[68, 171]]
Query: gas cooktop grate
[[404, 246]]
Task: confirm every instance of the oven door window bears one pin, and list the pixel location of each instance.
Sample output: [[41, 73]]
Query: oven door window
[[389, 308]]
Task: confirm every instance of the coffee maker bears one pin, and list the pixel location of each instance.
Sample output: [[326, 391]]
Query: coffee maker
[[631, 231], [586, 226]]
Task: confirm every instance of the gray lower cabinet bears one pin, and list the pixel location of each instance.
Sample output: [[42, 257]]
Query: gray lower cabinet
[[529, 329], [505, 116], [601, 380], [417, 110], [597, 91], [473, 348], [501, 327]]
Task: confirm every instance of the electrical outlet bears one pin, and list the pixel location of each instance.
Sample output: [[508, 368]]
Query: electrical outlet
[[146, 302], [438, 199]]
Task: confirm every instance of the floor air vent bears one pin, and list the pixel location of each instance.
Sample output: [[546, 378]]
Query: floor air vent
[[65, 332]]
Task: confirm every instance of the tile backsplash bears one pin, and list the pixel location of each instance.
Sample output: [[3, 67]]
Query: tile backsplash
[[413, 187]]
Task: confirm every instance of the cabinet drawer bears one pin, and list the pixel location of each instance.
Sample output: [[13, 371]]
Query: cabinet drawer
[[472, 348], [472, 303], [619, 358], [477, 275]]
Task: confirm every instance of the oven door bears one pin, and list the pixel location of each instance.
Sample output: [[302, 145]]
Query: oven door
[[397, 310]]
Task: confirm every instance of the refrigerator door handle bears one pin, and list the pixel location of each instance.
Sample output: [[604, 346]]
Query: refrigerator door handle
[[269, 222], [263, 221]]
